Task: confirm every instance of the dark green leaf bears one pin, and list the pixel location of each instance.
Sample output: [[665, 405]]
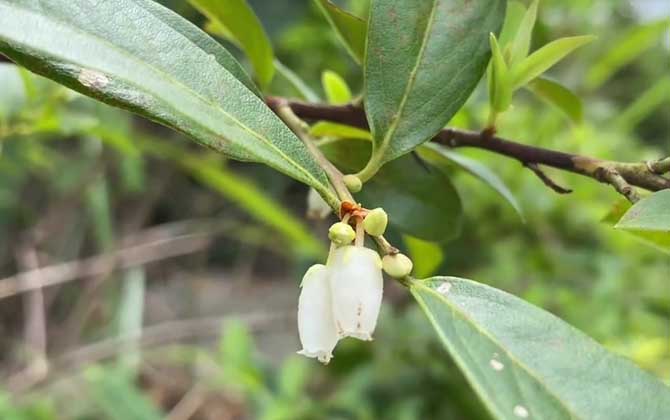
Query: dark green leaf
[[159, 66], [559, 96], [423, 60], [419, 198], [524, 362], [439, 155], [243, 25], [351, 29]]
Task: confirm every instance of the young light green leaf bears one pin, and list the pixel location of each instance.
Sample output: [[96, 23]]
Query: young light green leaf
[[426, 256], [349, 28], [439, 155], [336, 88], [239, 19], [544, 58], [513, 16], [559, 96], [626, 49], [165, 69], [524, 362], [521, 44], [333, 130], [422, 71], [658, 240], [500, 89]]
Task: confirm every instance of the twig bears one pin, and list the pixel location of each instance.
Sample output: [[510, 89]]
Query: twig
[[189, 404], [300, 128], [545, 179], [614, 178], [644, 175], [94, 266], [169, 332]]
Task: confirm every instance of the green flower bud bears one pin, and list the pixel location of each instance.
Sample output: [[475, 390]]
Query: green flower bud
[[353, 183], [397, 266], [341, 233], [375, 222]]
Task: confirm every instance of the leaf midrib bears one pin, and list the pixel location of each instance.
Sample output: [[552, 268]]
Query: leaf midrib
[[168, 78], [523, 366], [410, 84]]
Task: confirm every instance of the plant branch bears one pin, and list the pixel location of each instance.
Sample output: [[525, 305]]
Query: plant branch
[[646, 175], [301, 129]]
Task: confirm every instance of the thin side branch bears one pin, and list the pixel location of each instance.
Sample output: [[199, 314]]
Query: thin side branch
[[535, 168], [646, 175]]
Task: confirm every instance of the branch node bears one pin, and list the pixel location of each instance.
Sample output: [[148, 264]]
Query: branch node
[[613, 177], [545, 178]]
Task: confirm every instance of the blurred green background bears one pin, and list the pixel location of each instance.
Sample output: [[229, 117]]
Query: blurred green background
[[172, 273]]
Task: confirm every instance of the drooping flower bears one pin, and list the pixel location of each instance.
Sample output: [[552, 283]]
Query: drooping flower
[[356, 284], [316, 325]]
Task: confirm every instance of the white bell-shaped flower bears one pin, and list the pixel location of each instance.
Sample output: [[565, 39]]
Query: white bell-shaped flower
[[316, 325], [356, 283]]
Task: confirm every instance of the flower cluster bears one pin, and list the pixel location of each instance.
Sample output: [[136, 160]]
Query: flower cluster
[[342, 298]]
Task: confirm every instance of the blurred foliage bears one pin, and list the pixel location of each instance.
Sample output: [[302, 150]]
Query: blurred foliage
[[77, 178]]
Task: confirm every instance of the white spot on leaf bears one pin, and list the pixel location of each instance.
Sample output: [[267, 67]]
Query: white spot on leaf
[[521, 411], [444, 288], [93, 79], [497, 365]]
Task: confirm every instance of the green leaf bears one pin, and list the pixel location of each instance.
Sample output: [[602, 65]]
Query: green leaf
[[423, 60], [658, 240], [544, 58], [336, 88], [439, 155], [650, 214], [513, 16], [426, 256], [349, 28], [117, 396], [165, 69], [338, 131], [524, 362], [521, 44], [624, 50], [239, 19], [559, 96], [420, 199], [500, 89]]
